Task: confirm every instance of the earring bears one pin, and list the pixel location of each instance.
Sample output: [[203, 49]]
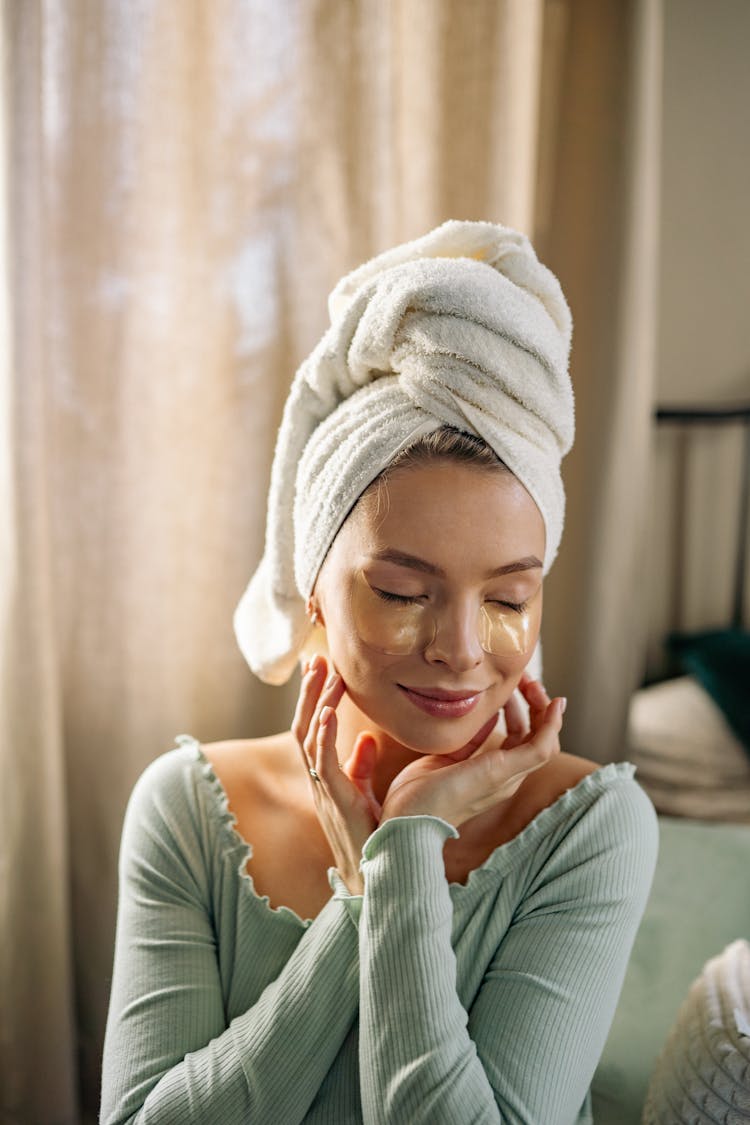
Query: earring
[[312, 613]]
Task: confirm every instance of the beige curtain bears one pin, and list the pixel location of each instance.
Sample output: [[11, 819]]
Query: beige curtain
[[598, 226], [182, 185]]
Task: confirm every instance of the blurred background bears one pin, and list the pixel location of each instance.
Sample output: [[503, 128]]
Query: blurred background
[[181, 185]]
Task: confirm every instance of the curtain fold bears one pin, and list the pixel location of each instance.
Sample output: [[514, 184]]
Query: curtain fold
[[599, 227], [37, 1018], [183, 185]]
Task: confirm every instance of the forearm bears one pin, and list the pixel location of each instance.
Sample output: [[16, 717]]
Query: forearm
[[171, 1058], [417, 1060]]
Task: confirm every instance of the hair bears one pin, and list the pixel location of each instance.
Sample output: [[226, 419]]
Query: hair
[[446, 443]]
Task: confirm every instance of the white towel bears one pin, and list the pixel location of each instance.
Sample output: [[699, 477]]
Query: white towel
[[463, 326]]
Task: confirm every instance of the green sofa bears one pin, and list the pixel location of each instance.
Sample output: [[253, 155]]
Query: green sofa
[[699, 903]]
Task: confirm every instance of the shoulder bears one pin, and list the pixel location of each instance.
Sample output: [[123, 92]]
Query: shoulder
[[564, 772], [580, 811], [258, 764], [170, 804], [236, 753], [165, 834], [607, 830], [592, 854], [611, 804], [546, 786], [166, 779], [608, 787], [181, 784]]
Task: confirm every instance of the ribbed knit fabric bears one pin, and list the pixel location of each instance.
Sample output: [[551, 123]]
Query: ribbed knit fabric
[[418, 1003]]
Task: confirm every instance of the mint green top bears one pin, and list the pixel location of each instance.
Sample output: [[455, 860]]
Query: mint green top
[[418, 1002]]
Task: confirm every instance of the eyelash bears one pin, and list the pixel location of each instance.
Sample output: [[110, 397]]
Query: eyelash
[[387, 596]]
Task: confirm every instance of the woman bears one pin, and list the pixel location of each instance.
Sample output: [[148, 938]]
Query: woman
[[412, 907]]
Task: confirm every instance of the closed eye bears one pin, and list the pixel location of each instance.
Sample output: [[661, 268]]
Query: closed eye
[[405, 599], [387, 596], [517, 607]]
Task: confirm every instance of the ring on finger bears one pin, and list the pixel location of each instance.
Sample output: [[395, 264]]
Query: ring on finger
[[314, 774]]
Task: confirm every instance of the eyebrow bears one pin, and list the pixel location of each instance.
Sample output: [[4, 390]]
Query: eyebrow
[[401, 558]]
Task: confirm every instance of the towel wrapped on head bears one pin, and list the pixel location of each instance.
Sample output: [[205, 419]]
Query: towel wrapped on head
[[464, 327]]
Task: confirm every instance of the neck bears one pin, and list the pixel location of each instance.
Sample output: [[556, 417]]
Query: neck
[[391, 756]]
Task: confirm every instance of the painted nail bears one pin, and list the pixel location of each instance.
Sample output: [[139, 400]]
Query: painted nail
[[563, 704]]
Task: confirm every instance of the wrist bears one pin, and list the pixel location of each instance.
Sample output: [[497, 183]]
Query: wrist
[[404, 832], [396, 809], [353, 881]]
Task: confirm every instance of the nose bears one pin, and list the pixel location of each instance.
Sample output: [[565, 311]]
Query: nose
[[456, 642]]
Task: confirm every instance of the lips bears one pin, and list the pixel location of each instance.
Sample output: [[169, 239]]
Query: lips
[[440, 693], [441, 703]]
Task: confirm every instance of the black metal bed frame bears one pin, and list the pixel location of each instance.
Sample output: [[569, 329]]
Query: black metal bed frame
[[686, 417]]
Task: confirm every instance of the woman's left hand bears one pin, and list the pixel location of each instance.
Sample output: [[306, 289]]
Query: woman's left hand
[[344, 797], [486, 772]]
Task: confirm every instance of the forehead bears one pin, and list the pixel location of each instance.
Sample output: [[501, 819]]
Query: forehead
[[446, 510]]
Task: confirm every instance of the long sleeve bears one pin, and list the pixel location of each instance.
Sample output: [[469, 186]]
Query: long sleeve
[[526, 1050], [170, 1054]]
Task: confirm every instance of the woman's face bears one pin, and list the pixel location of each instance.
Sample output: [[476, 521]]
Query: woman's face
[[417, 597]]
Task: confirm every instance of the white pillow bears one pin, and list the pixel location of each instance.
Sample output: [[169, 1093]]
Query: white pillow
[[702, 1076], [677, 734], [688, 759]]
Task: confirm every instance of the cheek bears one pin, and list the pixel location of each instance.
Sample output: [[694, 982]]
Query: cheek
[[364, 670], [369, 675], [353, 660]]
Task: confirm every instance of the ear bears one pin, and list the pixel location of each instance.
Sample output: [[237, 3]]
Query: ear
[[314, 614]]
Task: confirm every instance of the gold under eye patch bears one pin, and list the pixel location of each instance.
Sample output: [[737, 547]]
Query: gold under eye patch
[[398, 627]]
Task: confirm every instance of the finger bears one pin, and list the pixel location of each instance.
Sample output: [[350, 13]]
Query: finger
[[329, 698], [536, 751], [535, 694], [325, 759], [361, 762], [553, 715], [360, 767], [537, 699], [310, 688], [544, 741], [344, 811], [516, 722], [310, 685]]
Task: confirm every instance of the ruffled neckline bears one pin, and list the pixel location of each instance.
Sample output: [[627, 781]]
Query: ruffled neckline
[[227, 821], [501, 860]]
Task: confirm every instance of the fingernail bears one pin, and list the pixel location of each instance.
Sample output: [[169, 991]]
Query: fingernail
[[332, 679], [325, 715], [563, 704]]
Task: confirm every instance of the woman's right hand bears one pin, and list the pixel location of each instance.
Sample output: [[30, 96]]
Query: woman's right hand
[[343, 795], [488, 770]]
